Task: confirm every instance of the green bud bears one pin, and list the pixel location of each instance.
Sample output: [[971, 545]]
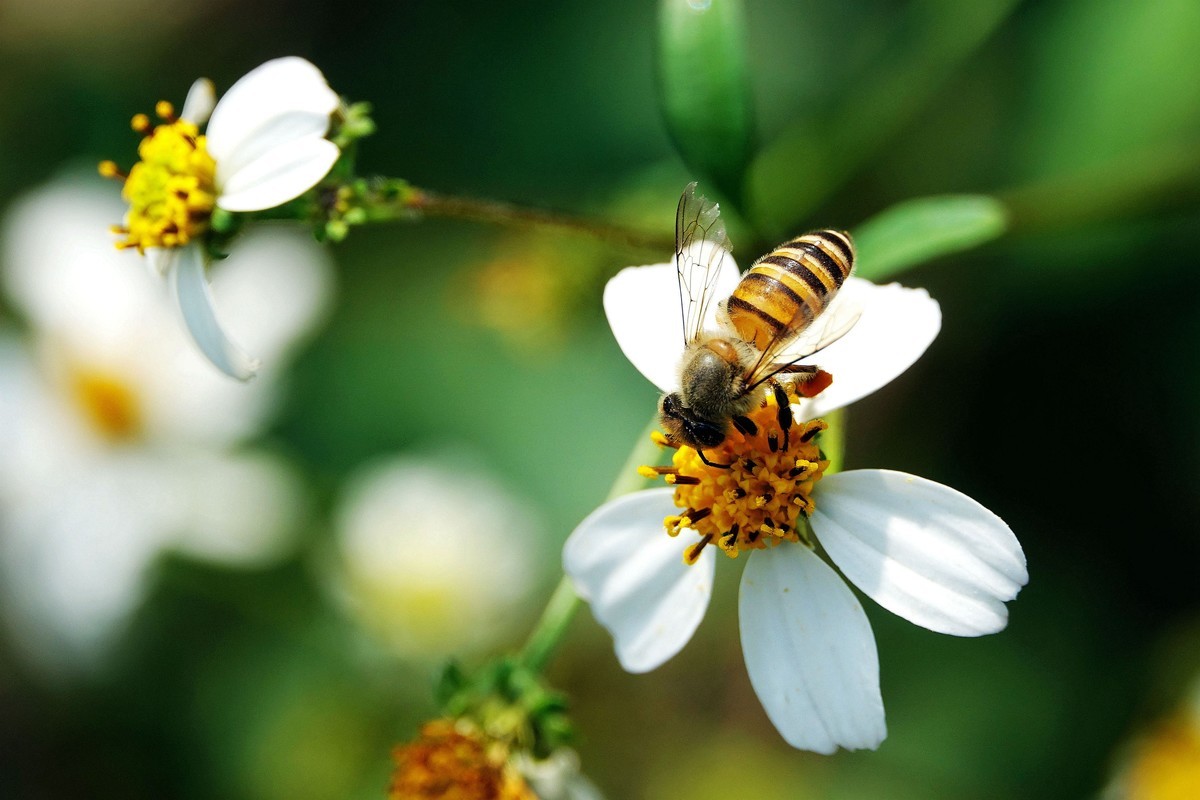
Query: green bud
[[222, 221], [704, 87]]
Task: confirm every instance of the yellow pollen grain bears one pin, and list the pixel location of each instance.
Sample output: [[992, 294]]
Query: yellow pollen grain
[[171, 191], [761, 499], [647, 472], [164, 110]]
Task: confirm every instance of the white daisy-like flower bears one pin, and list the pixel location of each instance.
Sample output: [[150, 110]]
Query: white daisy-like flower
[[922, 550], [120, 442], [263, 146], [434, 560]]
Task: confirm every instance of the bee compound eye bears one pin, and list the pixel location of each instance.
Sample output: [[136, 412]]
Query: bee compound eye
[[670, 405]]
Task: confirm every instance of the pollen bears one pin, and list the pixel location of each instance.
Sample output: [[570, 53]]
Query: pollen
[[451, 761], [171, 191], [756, 492]]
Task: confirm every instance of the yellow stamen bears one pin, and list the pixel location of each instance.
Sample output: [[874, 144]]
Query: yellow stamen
[[760, 499], [109, 169], [659, 439], [171, 191]]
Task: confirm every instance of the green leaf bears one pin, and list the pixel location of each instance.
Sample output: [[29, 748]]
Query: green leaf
[[704, 87], [923, 229], [815, 156]]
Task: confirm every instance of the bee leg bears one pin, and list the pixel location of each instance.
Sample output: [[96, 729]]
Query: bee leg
[[808, 380], [745, 426], [784, 404], [712, 463]]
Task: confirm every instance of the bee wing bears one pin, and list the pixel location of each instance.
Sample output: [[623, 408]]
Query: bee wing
[[701, 246], [840, 315]]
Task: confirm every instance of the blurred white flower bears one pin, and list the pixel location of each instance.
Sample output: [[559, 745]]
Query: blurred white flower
[[117, 436], [264, 145], [558, 777], [434, 560]]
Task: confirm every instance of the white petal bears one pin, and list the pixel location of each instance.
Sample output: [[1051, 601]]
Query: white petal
[[278, 176], [74, 558], [921, 550], [191, 291], [810, 652], [622, 561], [282, 131], [643, 309], [278, 283], [60, 268], [275, 88], [896, 326], [234, 508], [161, 260], [199, 103]]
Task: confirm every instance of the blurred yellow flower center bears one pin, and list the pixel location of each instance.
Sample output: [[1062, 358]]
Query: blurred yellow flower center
[[109, 405], [171, 191], [451, 761], [1167, 765], [755, 501]]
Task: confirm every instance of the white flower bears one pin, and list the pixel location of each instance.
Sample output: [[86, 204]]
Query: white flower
[[263, 146], [118, 438], [434, 560], [922, 550]]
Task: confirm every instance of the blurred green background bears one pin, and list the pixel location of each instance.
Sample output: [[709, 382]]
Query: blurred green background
[[1060, 393]]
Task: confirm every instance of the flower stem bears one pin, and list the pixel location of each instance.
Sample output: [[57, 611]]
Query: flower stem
[[563, 604], [388, 199]]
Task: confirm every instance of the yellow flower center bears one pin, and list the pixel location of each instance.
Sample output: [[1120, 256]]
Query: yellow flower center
[[1167, 765], [109, 404], [171, 191], [451, 761], [758, 494]]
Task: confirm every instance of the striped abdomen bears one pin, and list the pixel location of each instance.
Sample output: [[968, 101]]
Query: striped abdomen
[[786, 289]]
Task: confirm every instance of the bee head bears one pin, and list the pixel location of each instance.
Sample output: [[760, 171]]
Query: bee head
[[682, 425]]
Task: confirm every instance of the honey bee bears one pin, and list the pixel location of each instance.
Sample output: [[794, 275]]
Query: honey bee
[[769, 323]]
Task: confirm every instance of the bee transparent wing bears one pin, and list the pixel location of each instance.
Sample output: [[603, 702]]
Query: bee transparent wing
[[842, 314], [701, 246]]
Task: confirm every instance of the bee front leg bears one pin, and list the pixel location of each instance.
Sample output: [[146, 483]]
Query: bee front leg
[[712, 463]]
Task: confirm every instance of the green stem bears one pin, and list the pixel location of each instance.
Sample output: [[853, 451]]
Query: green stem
[[563, 604], [388, 200], [551, 627]]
